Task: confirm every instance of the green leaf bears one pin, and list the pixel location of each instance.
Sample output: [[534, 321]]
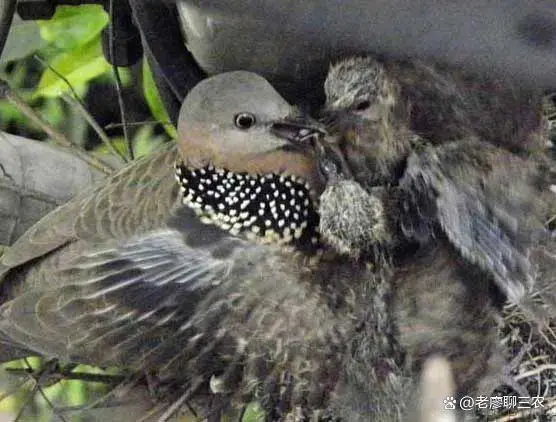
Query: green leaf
[[72, 26], [145, 142], [155, 102], [253, 413], [78, 66], [126, 76], [117, 142]]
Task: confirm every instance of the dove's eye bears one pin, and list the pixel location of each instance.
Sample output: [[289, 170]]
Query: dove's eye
[[244, 120], [362, 105]]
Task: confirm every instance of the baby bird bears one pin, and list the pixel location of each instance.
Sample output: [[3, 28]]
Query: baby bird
[[429, 305], [351, 220], [492, 204], [361, 100], [479, 209], [439, 103], [496, 208]]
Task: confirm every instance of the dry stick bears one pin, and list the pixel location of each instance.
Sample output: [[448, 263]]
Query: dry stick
[[31, 395], [36, 387], [5, 394], [76, 101], [75, 376], [151, 412], [118, 80], [58, 74], [122, 388], [523, 413], [10, 95], [5, 173], [536, 371], [242, 413], [129, 124], [47, 400], [96, 127], [41, 391], [174, 407]]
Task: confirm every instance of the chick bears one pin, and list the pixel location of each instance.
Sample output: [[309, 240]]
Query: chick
[[464, 177]]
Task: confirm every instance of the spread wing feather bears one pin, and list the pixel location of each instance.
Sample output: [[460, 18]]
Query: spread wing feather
[[494, 207]]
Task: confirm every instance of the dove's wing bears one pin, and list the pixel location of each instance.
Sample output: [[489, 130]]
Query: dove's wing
[[137, 198], [494, 206], [188, 302]]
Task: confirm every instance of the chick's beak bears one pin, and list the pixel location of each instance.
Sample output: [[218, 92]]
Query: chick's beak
[[331, 163], [339, 120], [310, 136]]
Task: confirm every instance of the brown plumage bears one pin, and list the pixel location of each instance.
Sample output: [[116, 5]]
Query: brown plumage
[[432, 308], [474, 193], [439, 103], [439, 312], [212, 283], [492, 203], [495, 207]]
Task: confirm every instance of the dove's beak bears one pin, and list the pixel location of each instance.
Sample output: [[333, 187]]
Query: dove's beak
[[300, 131]]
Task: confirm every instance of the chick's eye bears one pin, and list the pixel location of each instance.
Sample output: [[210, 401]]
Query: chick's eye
[[244, 120], [362, 105]]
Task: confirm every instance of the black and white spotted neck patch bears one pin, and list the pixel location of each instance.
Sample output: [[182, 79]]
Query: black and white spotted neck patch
[[276, 208]]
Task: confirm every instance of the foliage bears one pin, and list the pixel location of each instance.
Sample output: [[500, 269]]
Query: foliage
[[74, 36], [70, 52], [154, 100]]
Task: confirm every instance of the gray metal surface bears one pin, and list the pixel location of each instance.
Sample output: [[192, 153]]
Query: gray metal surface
[[293, 42], [34, 179]]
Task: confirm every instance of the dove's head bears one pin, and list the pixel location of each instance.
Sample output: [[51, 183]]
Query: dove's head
[[248, 162], [230, 121]]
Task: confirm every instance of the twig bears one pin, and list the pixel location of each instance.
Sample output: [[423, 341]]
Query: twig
[[124, 385], [24, 406], [129, 124], [59, 75], [173, 408], [5, 173], [525, 412], [242, 413], [119, 390], [536, 371], [75, 376], [39, 387], [96, 127], [5, 394], [118, 80], [515, 416], [47, 400], [76, 101], [156, 409], [10, 95]]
